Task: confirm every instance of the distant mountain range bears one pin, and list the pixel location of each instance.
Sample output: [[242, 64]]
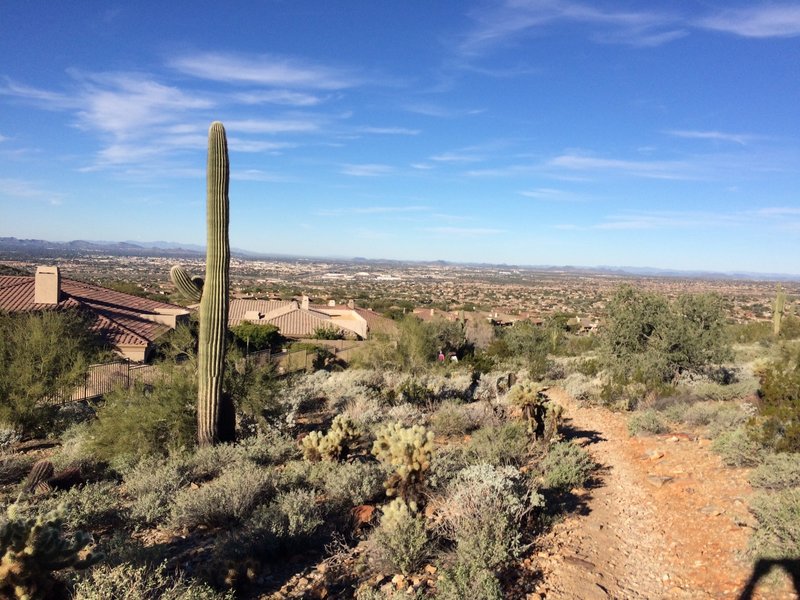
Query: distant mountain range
[[14, 248]]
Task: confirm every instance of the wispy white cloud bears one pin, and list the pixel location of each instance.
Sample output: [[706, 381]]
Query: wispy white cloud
[[263, 69], [719, 136], [455, 157], [503, 22], [257, 175], [272, 125], [551, 195], [639, 168], [389, 130], [29, 191], [421, 166], [284, 97], [441, 112], [3, 138], [757, 21], [671, 220], [371, 210], [464, 231], [366, 170]]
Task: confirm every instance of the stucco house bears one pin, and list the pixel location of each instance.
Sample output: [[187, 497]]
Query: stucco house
[[301, 319], [130, 324]]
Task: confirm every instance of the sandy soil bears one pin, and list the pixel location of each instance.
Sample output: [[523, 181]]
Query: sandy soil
[[666, 520]]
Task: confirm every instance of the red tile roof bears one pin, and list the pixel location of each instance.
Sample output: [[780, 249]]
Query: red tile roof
[[120, 318]]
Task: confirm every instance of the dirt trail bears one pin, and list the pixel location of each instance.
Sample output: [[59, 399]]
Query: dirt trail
[[667, 520]]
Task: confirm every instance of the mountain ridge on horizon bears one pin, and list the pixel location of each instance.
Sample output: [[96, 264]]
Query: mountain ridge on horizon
[[177, 249]]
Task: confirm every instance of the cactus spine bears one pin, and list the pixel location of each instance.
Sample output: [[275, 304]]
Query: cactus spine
[[215, 418], [777, 310]]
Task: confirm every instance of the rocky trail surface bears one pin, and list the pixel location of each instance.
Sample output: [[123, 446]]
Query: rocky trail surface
[[666, 519]]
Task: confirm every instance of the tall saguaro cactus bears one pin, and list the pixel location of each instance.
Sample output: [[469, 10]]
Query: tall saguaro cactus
[[215, 418], [778, 308]]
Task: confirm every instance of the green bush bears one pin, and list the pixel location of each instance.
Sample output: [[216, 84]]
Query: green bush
[[292, 515], [779, 415], [350, 484], [505, 444], [777, 472], [777, 535], [141, 583], [484, 513], [146, 420], [451, 419], [446, 463], [566, 466], [228, 499], [467, 579], [153, 483], [647, 422], [41, 355], [90, 505], [401, 539], [255, 336], [737, 448]]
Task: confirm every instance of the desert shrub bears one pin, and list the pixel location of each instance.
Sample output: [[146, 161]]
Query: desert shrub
[[582, 388], [777, 535], [41, 355], [738, 449], [566, 466], [153, 483], [484, 513], [777, 472], [647, 422], [779, 415], [350, 484], [141, 583], [89, 505], [650, 340], [256, 336], [451, 419], [711, 390], [9, 436], [406, 414], [15, 467], [401, 539], [467, 579], [364, 411], [146, 420], [229, 498], [505, 444], [292, 515], [446, 463]]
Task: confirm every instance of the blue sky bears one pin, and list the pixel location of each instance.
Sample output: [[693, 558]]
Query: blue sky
[[520, 131]]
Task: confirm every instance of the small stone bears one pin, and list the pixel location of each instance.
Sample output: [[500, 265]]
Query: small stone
[[542, 555], [430, 569], [665, 577], [673, 439], [399, 581], [658, 480], [654, 455]]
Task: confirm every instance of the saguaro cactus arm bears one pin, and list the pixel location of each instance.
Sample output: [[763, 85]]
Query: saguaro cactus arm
[[777, 310], [190, 287]]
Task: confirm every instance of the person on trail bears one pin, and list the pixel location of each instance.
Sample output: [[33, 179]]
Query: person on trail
[[441, 357]]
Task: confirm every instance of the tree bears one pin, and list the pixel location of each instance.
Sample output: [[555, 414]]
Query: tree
[[41, 355], [255, 336], [651, 341]]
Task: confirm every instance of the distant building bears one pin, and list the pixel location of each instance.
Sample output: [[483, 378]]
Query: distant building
[[301, 319], [129, 324]]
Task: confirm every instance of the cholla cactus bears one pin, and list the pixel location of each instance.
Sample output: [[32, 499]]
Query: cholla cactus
[[33, 549], [543, 415], [408, 450], [342, 438]]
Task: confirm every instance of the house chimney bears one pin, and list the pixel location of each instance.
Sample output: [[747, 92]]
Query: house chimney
[[351, 304], [304, 302], [47, 288]]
